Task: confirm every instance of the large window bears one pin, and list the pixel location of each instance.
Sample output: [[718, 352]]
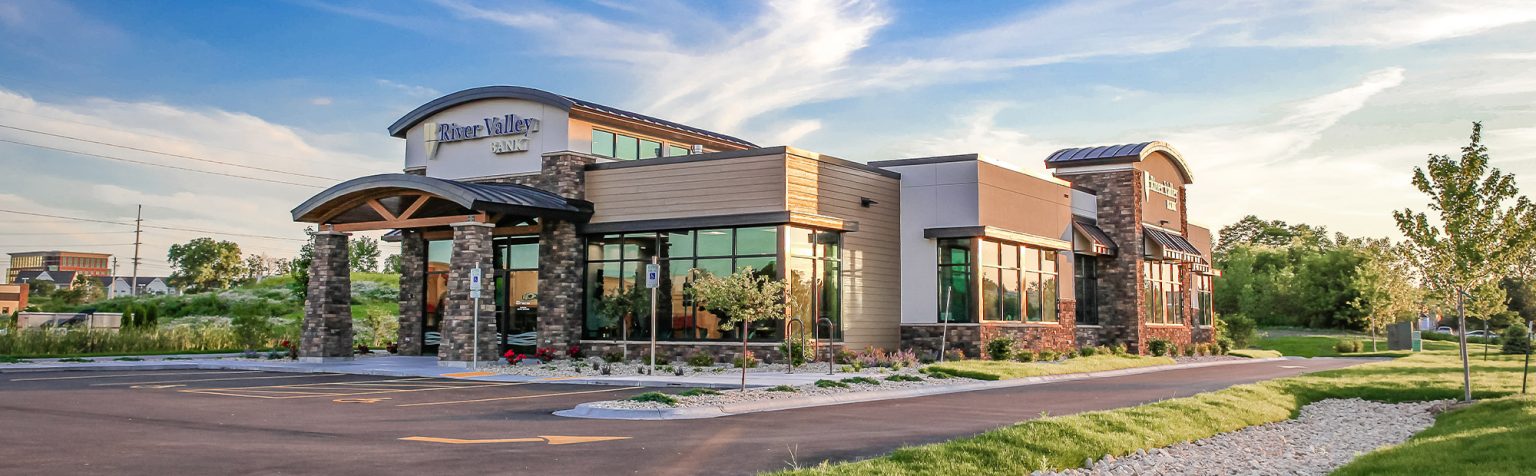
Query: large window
[[439, 254], [624, 147], [1203, 309], [815, 280], [1086, 283], [955, 289], [1161, 292], [1017, 283], [618, 304]]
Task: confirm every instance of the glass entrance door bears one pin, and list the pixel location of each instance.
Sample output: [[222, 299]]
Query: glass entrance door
[[517, 293]]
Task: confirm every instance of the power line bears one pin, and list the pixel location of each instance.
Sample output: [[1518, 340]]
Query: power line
[[18, 245], [192, 230], [153, 164], [66, 232], [188, 157]]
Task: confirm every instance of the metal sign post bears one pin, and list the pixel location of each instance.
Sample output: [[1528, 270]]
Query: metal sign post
[[653, 281], [474, 296]]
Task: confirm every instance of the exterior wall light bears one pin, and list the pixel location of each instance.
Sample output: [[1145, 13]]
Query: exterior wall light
[[866, 202]]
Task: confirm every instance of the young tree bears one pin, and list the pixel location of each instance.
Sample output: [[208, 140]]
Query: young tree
[[298, 267], [204, 264], [1485, 226], [364, 255], [392, 264], [741, 299], [1386, 294]]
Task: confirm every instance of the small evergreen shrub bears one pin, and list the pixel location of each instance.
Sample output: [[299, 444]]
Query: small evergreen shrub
[[613, 357], [1347, 346], [904, 378], [1000, 348], [1088, 351], [656, 397], [128, 359], [1189, 351], [1516, 340], [1118, 349], [1159, 347], [830, 384], [1223, 345], [701, 360], [695, 392], [749, 361], [1048, 355], [75, 359], [783, 388], [861, 380], [1024, 356]]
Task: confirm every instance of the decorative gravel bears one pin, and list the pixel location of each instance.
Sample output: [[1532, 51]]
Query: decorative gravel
[[1327, 435], [1206, 358], [592, 367], [726, 397]]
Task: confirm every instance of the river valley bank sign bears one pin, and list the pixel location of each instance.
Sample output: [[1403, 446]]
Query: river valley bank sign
[[499, 128]]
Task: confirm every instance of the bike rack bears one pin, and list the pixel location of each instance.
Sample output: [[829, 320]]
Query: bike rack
[[794, 325], [831, 355]]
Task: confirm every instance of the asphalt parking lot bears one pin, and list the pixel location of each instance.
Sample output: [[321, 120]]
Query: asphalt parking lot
[[246, 422]]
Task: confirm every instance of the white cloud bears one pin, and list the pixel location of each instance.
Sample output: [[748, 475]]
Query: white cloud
[[796, 130], [978, 132], [410, 89], [321, 101]]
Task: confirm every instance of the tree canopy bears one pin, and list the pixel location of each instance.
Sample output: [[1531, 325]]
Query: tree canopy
[[204, 264]]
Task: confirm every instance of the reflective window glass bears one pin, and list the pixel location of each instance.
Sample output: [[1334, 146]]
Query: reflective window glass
[[602, 143]]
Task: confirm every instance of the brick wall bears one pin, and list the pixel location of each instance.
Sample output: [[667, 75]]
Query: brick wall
[[1120, 277], [327, 329], [413, 282], [971, 338], [471, 247]]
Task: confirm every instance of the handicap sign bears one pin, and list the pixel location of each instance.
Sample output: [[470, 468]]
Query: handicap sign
[[474, 282], [652, 276]]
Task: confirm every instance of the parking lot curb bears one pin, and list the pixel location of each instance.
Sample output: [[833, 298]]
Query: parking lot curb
[[587, 410]]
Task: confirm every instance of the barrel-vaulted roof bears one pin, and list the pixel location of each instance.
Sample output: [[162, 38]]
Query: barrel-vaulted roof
[[480, 197], [1115, 154]]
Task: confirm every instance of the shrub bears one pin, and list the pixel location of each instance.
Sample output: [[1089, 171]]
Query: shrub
[[701, 359], [1346, 346], [613, 357], [904, 358], [830, 384], [783, 388], [843, 356], [1239, 328], [1189, 351], [656, 397], [1088, 351], [1117, 349], [695, 392], [999, 348], [750, 361], [861, 380], [1024, 356], [795, 351], [75, 359], [904, 378], [1516, 340], [1159, 347], [545, 354], [363, 349], [513, 358], [1223, 345], [128, 359], [955, 354], [573, 352], [1048, 355], [251, 331], [1440, 336], [1070, 354]]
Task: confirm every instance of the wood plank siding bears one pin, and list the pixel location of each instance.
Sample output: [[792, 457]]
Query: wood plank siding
[[733, 186]]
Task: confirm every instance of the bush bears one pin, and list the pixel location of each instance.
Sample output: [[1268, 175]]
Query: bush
[[613, 357], [1189, 351], [701, 359], [656, 397], [694, 392], [999, 348], [750, 361], [1048, 355], [545, 354], [904, 358], [573, 352], [795, 351], [861, 380], [1439, 336], [1159, 347], [830, 384], [1516, 340], [1347, 346], [904, 378], [1239, 328], [1088, 351], [1117, 349], [1024, 356], [783, 388], [1223, 345], [955, 354], [871, 357], [251, 331]]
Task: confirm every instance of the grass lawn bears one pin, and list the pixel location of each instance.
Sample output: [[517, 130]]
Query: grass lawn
[[1489, 438], [1256, 353], [1323, 346], [1065, 442], [1007, 369]]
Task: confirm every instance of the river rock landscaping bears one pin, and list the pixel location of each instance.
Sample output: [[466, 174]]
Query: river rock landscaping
[[1326, 435], [832, 384]]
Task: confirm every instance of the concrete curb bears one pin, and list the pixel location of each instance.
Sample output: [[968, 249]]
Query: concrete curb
[[586, 410]]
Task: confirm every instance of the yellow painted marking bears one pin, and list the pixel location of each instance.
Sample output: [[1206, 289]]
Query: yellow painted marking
[[215, 379], [469, 374], [553, 440], [360, 400], [519, 397], [142, 374], [1293, 366], [272, 397], [233, 392]]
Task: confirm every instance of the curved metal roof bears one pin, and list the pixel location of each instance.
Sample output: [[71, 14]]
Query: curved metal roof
[[1117, 153], [493, 197], [543, 97]]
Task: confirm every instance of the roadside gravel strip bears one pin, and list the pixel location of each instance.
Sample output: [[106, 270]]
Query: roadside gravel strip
[[763, 400], [1325, 436]]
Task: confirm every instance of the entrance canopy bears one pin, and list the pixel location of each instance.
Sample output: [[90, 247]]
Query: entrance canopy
[[395, 201]]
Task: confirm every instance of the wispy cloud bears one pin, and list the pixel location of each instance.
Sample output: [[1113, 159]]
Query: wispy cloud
[[409, 89]]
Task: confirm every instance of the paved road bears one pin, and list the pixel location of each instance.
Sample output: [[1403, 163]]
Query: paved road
[[234, 422]]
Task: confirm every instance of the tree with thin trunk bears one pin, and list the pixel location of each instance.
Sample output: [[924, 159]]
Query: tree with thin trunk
[[743, 298], [1484, 227], [1387, 293]]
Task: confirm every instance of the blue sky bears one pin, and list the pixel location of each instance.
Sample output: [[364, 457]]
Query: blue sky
[[1308, 111]]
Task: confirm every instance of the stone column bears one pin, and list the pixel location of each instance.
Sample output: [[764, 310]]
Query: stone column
[[562, 262], [471, 246], [327, 330], [413, 289], [1120, 285]]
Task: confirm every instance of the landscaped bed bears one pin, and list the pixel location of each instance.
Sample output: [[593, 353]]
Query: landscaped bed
[[1060, 443]]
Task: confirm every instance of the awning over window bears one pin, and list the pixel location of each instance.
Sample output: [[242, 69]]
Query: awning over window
[[1092, 240], [997, 234], [1164, 245]]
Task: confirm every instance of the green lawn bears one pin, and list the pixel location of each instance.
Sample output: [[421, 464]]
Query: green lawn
[[1007, 369], [1256, 353], [1323, 346], [1065, 442], [1489, 438]]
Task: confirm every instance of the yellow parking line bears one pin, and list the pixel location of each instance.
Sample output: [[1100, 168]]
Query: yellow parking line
[[271, 397], [520, 397], [215, 379], [35, 379], [343, 393], [469, 374]]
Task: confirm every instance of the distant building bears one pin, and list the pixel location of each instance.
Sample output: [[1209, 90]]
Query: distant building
[[13, 298], [118, 285], [62, 279], [92, 264]]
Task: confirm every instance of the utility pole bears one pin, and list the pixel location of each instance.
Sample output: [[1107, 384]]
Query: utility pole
[[138, 230], [114, 266]]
